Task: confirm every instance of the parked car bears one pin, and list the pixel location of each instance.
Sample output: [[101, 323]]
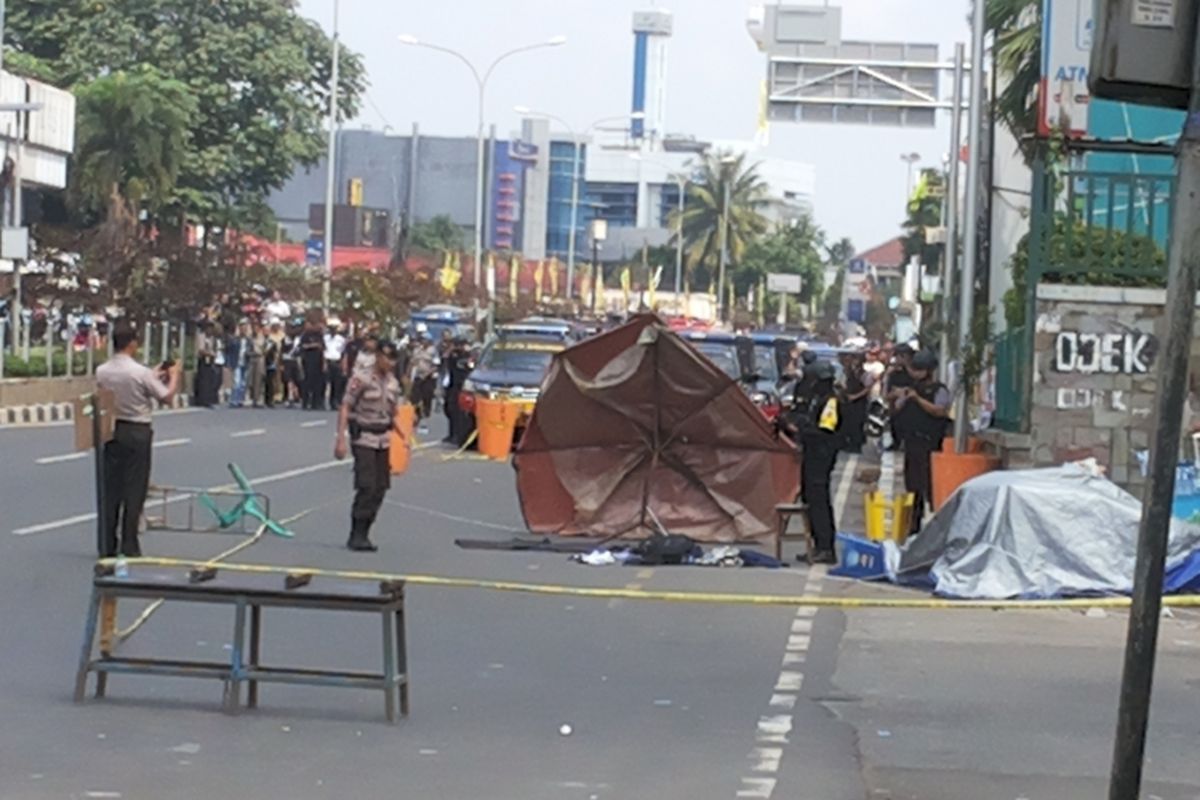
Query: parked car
[[440, 318], [511, 367], [738, 357]]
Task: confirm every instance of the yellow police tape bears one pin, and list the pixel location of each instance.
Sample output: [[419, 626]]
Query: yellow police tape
[[718, 598]]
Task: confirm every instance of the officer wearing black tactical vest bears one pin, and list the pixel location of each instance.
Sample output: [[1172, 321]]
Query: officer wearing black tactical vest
[[813, 422], [922, 414]]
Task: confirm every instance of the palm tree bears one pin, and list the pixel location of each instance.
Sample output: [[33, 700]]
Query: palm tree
[[1017, 25], [705, 210], [840, 252], [132, 141]]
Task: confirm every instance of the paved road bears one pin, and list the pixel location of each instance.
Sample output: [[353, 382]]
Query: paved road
[[669, 701]]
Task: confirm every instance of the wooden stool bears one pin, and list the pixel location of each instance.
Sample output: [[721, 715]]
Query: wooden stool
[[786, 511]]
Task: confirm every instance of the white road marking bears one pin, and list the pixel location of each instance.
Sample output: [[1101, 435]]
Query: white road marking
[[67, 522], [756, 787], [774, 729], [789, 681], [798, 641], [244, 434], [433, 512], [766, 759], [62, 458], [316, 423], [845, 484], [172, 442]]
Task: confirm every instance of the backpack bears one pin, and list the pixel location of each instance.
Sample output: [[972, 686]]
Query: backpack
[[663, 550]]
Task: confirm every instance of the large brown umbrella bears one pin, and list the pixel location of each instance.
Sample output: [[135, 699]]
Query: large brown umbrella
[[636, 421]]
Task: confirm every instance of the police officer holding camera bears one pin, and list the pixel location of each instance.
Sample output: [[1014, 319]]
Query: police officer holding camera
[[365, 420]]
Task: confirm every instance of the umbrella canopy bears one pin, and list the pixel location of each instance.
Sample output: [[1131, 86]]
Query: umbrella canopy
[[635, 421]]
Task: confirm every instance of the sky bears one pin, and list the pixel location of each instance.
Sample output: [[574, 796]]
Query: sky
[[714, 74]]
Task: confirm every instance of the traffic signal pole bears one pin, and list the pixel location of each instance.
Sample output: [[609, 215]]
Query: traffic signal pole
[[1142, 641]]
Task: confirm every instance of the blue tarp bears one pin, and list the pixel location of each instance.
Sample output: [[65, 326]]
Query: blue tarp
[[1060, 532]]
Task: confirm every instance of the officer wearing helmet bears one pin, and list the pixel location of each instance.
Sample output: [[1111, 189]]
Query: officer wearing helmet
[[922, 412], [813, 422], [366, 418]]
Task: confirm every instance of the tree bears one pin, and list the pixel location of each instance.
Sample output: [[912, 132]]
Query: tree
[[924, 211], [257, 71], [840, 252], [794, 250], [132, 138], [438, 235], [831, 306], [1017, 25], [704, 211]]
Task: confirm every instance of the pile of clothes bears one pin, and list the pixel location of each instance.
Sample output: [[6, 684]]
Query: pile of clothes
[[674, 549]]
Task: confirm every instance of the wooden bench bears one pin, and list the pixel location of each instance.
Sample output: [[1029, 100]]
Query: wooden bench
[[249, 594], [785, 513]]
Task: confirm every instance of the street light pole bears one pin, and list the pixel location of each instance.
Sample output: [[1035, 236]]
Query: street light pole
[[724, 253], [683, 183], [331, 158], [971, 219], [481, 81], [576, 177]]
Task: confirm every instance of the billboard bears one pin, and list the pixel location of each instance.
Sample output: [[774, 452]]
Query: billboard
[[783, 283], [1064, 97]]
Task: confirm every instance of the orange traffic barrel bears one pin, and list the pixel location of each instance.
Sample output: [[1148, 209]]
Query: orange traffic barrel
[[400, 448], [496, 420]]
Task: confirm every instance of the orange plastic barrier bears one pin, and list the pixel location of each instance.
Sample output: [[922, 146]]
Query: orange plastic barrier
[[496, 420], [952, 470], [400, 449]]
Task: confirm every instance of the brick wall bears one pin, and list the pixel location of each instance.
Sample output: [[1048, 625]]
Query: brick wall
[[1095, 354]]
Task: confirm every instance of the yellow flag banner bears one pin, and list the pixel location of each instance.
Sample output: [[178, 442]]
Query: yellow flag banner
[[514, 275], [539, 275], [652, 288], [599, 305], [554, 277], [626, 285], [585, 283], [450, 275]]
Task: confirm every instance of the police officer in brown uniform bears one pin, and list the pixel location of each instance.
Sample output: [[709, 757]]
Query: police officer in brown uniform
[[368, 414]]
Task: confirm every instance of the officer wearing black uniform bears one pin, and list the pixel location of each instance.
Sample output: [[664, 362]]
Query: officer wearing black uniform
[[458, 366], [922, 413], [368, 415], [814, 421]]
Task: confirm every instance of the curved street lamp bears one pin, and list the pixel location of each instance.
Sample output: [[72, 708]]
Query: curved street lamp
[[481, 81]]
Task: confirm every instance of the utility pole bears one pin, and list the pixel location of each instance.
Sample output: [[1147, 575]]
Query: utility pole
[[950, 259], [1183, 265], [331, 166], [971, 241], [724, 251]]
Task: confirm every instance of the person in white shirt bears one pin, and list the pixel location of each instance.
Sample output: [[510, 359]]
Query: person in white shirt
[[136, 389], [335, 348]]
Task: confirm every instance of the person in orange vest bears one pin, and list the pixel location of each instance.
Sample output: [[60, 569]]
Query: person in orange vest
[[365, 422]]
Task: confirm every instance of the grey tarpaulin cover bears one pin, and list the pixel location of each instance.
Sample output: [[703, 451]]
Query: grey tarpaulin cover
[[1033, 533]]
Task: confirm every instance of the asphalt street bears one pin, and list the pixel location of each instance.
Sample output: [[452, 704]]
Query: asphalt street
[[664, 700]]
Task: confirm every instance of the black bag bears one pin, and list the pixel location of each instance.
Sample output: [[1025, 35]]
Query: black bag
[[666, 550]]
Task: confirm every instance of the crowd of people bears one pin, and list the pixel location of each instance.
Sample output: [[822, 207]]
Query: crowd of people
[[829, 415], [254, 351]]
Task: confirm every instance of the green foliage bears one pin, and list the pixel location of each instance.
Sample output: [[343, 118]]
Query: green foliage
[[831, 306], [1097, 257], [438, 235], [705, 210], [256, 70], [132, 140], [924, 211], [840, 252], [1017, 25], [794, 250]]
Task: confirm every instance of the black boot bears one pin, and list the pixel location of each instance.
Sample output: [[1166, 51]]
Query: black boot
[[358, 539]]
